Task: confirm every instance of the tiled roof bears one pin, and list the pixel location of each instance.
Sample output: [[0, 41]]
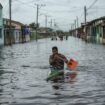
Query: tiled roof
[[14, 21]]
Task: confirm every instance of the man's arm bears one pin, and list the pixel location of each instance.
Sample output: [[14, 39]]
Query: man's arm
[[64, 59], [51, 59]]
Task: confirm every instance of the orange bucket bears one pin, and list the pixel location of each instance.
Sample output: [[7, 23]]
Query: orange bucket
[[72, 64]]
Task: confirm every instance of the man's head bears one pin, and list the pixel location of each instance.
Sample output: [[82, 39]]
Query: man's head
[[54, 50]]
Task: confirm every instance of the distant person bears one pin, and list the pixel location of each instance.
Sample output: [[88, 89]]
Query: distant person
[[56, 38], [57, 60], [52, 38], [66, 37], [26, 32], [61, 38]]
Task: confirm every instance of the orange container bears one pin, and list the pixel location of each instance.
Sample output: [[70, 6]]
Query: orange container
[[72, 64]]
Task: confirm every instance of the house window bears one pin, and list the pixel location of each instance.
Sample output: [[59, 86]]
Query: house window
[[0, 33]]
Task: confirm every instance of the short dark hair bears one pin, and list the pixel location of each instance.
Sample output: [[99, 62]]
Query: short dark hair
[[55, 47]]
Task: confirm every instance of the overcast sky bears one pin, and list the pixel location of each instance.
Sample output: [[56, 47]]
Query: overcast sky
[[62, 12]]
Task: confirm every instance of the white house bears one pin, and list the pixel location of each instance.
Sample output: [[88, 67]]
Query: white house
[[1, 26]]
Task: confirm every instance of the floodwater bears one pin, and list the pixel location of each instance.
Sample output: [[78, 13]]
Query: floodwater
[[24, 68]]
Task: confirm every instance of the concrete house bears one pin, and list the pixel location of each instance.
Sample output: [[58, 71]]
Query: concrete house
[[95, 30], [45, 31], [1, 26], [16, 33]]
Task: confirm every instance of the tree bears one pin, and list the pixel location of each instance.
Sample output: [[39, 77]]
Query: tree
[[33, 25]]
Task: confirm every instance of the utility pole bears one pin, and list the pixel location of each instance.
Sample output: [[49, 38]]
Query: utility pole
[[51, 23], [75, 30], [77, 21], [85, 13], [37, 13], [10, 34], [75, 24], [71, 27], [46, 21], [54, 25]]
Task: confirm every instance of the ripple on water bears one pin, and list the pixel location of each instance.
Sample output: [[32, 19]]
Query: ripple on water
[[24, 68]]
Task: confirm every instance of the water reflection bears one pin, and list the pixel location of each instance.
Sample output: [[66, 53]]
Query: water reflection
[[59, 86]]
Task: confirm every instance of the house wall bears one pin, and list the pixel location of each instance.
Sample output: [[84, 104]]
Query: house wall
[[98, 33], [103, 35], [87, 32], [94, 32], [1, 27], [16, 32], [8, 38], [17, 35]]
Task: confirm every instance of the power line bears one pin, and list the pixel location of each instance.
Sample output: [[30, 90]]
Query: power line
[[25, 3], [92, 4]]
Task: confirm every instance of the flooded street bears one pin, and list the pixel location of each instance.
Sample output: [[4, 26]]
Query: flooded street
[[24, 68]]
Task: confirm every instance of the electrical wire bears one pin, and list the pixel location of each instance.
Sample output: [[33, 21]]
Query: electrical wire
[[25, 3], [92, 4]]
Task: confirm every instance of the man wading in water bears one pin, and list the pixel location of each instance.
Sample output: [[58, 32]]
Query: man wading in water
[[57, 60]]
